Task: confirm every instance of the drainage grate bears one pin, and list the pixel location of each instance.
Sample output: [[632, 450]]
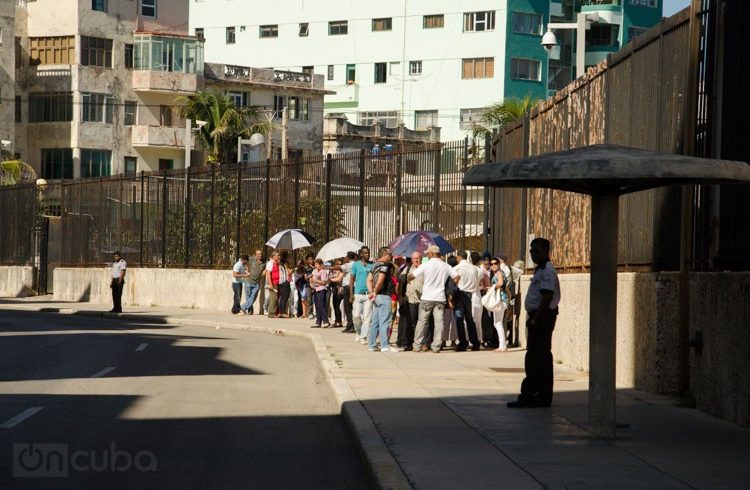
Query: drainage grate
[[507, 370]]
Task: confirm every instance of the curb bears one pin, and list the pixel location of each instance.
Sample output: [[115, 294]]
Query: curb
[[385, 471]]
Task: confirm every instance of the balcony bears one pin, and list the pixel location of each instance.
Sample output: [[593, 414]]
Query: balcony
[[166, 81], [263, 76], [158, 136]]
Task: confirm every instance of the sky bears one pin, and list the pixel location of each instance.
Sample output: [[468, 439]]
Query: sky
[[673, 6]]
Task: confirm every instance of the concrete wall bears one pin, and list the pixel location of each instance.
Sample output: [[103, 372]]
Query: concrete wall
[[16, 282], [648, 341], [183, 288], [7, 72]]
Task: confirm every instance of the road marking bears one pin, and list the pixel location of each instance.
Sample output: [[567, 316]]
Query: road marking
[[10, 423], [141, 347], [103, 372]]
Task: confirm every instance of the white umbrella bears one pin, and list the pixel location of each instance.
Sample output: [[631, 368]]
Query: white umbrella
[[339, 248], [291, 240]]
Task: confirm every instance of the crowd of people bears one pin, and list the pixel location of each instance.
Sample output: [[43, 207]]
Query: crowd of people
[[432, 301]]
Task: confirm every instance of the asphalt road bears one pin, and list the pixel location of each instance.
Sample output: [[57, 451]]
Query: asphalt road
[[93, 403]]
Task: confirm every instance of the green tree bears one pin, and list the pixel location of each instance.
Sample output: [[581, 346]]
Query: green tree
[[16, 172], [224, 123], [502, 113]]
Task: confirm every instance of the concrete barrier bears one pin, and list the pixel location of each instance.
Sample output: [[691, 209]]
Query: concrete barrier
[[16, 281]]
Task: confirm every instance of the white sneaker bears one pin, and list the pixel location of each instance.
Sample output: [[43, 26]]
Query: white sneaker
[[372, 350], [363, 341], [390, 349]]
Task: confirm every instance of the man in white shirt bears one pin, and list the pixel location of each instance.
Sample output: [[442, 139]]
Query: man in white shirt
[[119, 266], [468, 285], [432, 302], [541, 303]]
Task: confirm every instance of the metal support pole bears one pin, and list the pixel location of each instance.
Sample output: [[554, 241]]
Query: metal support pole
[[329, 166], [239, 208], [580, 45], [436, 190], [267, 203], [164, 221], [297, 177], [399, 172], [487, 228], [361, 235], [187, 217], [141, 224], [465, 193], [603, 315], [211, 214]]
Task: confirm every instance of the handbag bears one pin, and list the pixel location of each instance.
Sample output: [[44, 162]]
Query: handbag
[[492, 300]]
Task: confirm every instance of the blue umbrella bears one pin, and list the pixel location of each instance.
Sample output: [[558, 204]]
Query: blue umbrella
[[418, 241]]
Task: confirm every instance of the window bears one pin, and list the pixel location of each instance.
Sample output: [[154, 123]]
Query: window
[[230, 35], [330, 72], [279, 101], [160, 53], [166, 164], [479, 21], [338, 28], [304, 29], [478, 68], [395, 68], [52, 50], [57, 163], [351, 73], [645, 3], [602, 35], [200, 33], [128, 56], [100, 5], [148, 8], [524, 23], [470, 118], [97, 107], [131, 165], [415, 68], [269, 31], [634, 32], [165, 115], [96, 163], [522, 69], [380, 72], [19, 52], [96, 51], [425, 119], [299, 108], [384, 24], [389, 119], [130, 109], [309, 70], [18, 108], [239, 99], [50, 107], [433, 21]]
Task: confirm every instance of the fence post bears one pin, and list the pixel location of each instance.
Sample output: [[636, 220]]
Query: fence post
[[211, 214], [165, 201], [239, 208], [436, 190], [187, 217], [465, 163], [361, 236], [487, 228], [399, 171], [329, 165], [525, 191], [267, 203], [297, 176], [141, 224]]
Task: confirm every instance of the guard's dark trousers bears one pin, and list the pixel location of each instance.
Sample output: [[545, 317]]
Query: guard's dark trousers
[[462, 305], [117, 295], [537, 386]]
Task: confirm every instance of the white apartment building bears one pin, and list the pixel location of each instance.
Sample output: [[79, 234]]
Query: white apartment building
[[423, 62]]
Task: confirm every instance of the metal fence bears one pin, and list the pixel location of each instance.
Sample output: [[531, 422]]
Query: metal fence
[[638, 98], [208, 216]]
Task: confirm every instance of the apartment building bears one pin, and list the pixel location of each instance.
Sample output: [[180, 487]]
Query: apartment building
[[7, 78], [423, 63], [99, 85]]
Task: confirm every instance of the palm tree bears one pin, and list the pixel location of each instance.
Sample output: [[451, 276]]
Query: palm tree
[[16, 172], [224, 122], [502, 113]]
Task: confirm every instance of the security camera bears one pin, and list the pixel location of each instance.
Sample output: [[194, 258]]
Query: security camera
[[41, 184], [549, 40], [200, 124], [5, 143]]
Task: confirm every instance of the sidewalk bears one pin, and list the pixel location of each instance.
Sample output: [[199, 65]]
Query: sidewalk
[[433, 421]]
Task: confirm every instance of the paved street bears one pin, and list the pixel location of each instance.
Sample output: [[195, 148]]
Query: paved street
[[139, 405]]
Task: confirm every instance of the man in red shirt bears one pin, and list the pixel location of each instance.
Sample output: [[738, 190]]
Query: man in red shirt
[[272, 275]]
